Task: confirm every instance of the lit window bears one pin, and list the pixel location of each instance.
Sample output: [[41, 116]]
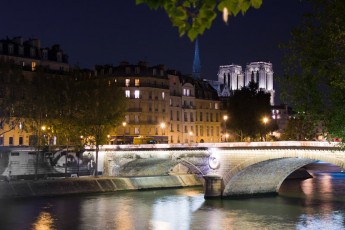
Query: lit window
[[128, 82], [137, 82], [128, 93], [216, 106], [137, 94], [136, 131], [163, 95], [33, 66]]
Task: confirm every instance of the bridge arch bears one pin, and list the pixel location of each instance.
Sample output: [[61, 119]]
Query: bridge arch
[[265, 171]]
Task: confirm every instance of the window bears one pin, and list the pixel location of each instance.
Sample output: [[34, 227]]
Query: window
[[1, 140], [136, 130], [128, 81], [170, 102], [137, 94], [136, 119], [10, 49], [211, 114], [185, 129], [10, 140], [185, 116], [186, 92], [216, 106], [171, 115], [127, 118], [171, 128], [178, 128], [137, 82], [21, 141], [207, 117], [217, 119], [191, 117], [210, 105], [196, 131], [128, 70], [201, 130], [163, 95], [137, 70], [200, 116], [207, 131], [128, 93], [33, 66], [178, 115]]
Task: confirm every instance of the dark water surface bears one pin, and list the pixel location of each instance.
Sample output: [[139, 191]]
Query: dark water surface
[[317, 203]]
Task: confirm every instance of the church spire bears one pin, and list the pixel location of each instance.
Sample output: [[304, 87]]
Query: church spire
[[196, 63]]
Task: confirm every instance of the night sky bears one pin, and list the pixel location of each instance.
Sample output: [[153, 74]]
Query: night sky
[[110, 31]]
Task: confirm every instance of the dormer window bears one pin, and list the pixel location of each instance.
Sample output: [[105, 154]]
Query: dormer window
[[137, 70], [45, 54], [59, 57], [154, 72], [32, 52], [128, 70], [21, 50], [10, 49]]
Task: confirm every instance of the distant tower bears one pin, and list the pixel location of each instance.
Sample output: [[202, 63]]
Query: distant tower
[[196, 63]]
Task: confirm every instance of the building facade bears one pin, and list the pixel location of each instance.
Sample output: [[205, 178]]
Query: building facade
[[25, 56], [164, 105], [30, 55]]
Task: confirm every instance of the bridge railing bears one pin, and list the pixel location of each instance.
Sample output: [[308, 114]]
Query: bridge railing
[[323, 144]]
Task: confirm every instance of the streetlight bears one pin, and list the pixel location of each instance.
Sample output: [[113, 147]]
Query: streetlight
[[190, 137], [163, 131], [124, 130], [226, 137], [225, 118], [265, 121]]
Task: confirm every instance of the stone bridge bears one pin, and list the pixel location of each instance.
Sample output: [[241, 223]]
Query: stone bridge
[[228, 169]]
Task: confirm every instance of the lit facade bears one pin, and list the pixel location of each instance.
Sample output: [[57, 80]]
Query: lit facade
[[165, 105], [232, 77]]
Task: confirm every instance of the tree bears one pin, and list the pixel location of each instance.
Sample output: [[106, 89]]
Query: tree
[[99, 108], [193, 17], [315, 66], [11, 92], [247, 108]]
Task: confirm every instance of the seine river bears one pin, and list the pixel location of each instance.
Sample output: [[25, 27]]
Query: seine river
[[317, 203]]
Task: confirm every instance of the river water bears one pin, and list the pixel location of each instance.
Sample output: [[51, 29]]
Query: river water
[[317, 203]]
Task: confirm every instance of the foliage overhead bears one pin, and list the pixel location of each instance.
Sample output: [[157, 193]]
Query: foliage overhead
[[315, 66], [193, 17], [246, 109]]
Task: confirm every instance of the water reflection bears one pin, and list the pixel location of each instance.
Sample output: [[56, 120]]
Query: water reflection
[[45, 221], [316, 203]]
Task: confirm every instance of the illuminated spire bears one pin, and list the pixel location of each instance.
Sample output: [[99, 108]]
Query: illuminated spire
[[196, 62]]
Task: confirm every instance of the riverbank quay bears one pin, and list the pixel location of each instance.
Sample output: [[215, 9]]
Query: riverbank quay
[[84, 185]]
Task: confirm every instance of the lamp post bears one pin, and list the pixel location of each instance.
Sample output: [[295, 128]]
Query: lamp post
[[190, 137], [265, 121], [124, 131], [226, 137], [163, 130], [225, 118]]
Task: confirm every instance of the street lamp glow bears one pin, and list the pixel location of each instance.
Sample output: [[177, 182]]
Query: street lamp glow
[[43, 127], [225, 118], [265, 120], [190, 133], [162, 125], [124, 124]]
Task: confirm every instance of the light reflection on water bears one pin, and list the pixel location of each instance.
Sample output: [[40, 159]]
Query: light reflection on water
[[316, 203]]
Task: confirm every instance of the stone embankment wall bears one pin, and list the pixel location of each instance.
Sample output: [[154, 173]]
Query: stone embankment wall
[[67, 186]]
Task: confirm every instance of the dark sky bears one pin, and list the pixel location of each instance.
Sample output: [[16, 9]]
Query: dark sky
[[109, 31]]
